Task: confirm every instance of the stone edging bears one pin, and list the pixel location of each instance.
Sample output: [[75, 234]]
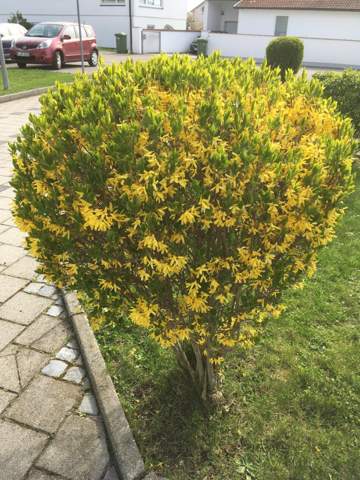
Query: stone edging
[[126, 454], [28, 93]]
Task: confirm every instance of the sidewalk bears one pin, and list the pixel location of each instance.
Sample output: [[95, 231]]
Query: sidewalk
[[50, 428]]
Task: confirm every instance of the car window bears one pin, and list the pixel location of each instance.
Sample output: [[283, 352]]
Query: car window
[[83, 32], [46, 30], [89, 30], [69, 31]]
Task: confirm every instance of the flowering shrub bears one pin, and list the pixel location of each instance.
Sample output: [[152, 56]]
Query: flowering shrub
[[184, 194]]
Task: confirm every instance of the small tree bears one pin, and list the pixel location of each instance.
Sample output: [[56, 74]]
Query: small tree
[[184, 194], [20, 19], [285, 53]]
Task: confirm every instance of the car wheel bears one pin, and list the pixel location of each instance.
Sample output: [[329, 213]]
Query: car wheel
[[94, 59], [57, 61], [21, 65]]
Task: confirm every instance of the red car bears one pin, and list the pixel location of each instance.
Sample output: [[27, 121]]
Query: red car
[[54, 43]]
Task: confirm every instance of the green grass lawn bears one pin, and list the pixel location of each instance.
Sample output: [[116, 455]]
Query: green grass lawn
[[22, 80], [292, 408]]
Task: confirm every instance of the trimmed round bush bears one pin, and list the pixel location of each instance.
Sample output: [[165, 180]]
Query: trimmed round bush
[[185, 195], [285, 53]]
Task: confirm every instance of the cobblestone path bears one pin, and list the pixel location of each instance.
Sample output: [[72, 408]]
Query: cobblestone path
[[50, 426]]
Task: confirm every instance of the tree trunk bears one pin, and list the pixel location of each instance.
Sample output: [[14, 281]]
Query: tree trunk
[[201, 371]]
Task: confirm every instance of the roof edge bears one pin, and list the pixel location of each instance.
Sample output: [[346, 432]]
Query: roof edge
[[247, 7]]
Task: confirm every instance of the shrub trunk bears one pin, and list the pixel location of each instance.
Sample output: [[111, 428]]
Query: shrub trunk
[[193, 360]]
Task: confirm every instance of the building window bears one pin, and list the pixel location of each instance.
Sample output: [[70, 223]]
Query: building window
[[151, 3], [281, 26], [112, 2]]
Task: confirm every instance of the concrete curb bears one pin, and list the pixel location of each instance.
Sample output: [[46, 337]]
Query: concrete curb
[[127, 457], [29, 93]]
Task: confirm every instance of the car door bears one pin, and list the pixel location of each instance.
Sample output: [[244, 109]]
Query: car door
[[85, 40], [69, 44]]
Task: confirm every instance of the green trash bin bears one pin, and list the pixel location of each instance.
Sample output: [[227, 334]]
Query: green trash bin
[[202, 46], [121, 43]]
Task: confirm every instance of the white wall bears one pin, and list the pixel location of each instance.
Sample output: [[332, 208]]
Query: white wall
[[310, 23], [318, 52], [107, 20], [172, 42], [172, 13]]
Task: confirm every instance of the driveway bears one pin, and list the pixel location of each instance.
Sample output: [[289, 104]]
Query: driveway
[[108, 57], [50, 426]]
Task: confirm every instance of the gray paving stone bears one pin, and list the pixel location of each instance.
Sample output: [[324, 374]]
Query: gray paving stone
[[37, 329], [54, 369], [9, 286], [8, 331], [5, 399], [3, 180], [33, 288], [111, 474], [23, 308], [19, 448], [9, 254], [52, 341], [75, 374], [67, 354], [79, 450], [4, 215], [23, 268], [47, 291], [3, 228], [44, 404], [36, 474], [29, 363], [13, 236], [10, 222], [88, 405], [55, 311], [9, 378], [5, 203]]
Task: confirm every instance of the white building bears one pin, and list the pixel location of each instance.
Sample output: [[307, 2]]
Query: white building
[[106, 16], [330, 29]]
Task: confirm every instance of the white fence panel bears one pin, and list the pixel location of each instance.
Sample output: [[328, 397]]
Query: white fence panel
[[150, 41], [234, 45], [173, 41], [321, 52]]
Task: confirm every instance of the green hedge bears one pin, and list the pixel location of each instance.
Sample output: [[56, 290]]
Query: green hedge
[[344, 87], [285, 53]]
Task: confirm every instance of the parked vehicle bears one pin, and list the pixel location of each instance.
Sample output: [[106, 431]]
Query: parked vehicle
[[9, 33], [55, 43]]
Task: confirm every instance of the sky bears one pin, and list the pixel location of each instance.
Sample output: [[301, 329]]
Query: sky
[[193, 3]]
